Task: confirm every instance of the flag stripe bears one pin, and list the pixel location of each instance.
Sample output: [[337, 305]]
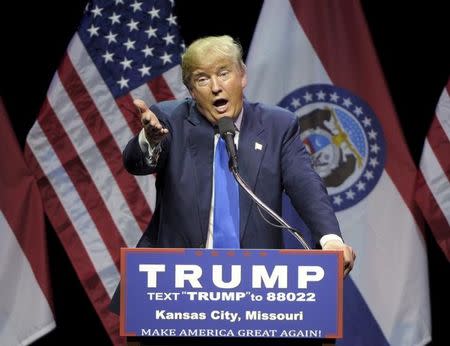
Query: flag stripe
[[343, 64], [80, 174], [120, 117], [438, 142], [111, 153], [24, 275], [92, 277], [67, 194]]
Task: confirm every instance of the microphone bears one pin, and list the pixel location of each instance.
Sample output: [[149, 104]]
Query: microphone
[[227, 131]]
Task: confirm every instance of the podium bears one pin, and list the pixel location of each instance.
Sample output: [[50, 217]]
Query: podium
[[220, 296]]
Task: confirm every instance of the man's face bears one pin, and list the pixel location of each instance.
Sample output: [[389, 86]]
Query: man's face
[[218, 88]]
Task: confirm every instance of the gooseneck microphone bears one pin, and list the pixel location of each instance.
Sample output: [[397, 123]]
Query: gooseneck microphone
[[227, 132]]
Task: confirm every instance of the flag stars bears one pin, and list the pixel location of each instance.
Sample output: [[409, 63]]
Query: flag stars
[[115, 18], [308, 97], [334, 97], [347, 102], [374, 148], [358, 111], [169, 39], [118, 2], [123, 83], [361, 186], [126, 63], [372, 134], [166, 58], [136, 6], [151, 32], [295, 103], [367, 122], [148, 51], [337, 200], [172, 19], [129, 44], [350, 194], [97, 11], [373, 162], [111, 37], [368, 175], [320, 95], [107, 57], [133, 25], [144, 70], [93, 30], [154, 13]]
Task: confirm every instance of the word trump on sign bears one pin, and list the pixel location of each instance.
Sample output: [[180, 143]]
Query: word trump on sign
[[192, 274]]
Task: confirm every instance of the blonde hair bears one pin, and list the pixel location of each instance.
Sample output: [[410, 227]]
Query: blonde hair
[[211, 47]]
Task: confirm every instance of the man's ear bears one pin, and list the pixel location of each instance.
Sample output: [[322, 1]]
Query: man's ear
[[244, 77]]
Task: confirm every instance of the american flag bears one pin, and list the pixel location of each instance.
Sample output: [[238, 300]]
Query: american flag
[[433, 183], [121, 51]]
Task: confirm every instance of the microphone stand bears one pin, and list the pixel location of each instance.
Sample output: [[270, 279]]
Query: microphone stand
[[244, 185]]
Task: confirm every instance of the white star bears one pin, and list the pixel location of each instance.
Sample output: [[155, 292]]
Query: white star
[[126, 63], [123, 83], [93, 30], [147, 51], [144, 70], [115, 18], [166, 58], [154, 12], [307, 97], [172, 19], [334, 97], [320, 95], [136, 6], [133, 25], [373, 162], [368, 175], [372, 134], [108, 56], [295, 103], [347, 102], [361, 186], [350, 194], [119, 2], [337, 200], [169, 39], [151, 32], [129, 44], [367, 122], [358, 110], [374, 148], [111, 37], [97, 11]]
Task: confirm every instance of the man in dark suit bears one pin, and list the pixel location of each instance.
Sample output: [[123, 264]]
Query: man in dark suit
[[177, 143]]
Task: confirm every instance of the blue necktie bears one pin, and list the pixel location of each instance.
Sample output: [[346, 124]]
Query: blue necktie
[[226, 202]]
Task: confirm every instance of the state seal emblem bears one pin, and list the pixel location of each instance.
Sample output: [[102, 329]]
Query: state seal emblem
[[344, 138]]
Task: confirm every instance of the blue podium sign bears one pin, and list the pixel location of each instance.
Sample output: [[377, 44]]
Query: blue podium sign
[[231, 293]]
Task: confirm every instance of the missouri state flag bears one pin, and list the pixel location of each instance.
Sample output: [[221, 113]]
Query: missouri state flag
[[316, 58]]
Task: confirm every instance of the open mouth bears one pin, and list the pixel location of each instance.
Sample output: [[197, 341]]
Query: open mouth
[[220, 105]]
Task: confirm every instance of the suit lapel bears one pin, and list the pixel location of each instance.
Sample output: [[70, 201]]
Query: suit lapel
[[252, 146], [200, 136]]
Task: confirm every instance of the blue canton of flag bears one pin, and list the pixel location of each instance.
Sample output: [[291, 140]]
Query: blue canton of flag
[[131, 43]]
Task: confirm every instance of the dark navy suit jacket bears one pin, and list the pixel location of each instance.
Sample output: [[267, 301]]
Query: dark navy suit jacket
[[271, 159]]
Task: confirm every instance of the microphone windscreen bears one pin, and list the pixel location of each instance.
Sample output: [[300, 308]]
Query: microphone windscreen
[[225, 125]]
